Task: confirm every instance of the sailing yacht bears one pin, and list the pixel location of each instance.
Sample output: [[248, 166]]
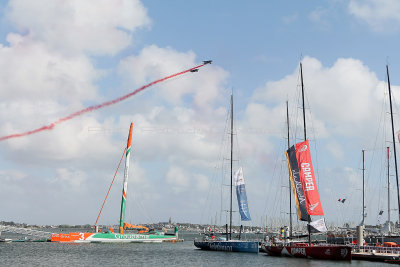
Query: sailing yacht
[[142, 236], [308, 203], [227, 243]]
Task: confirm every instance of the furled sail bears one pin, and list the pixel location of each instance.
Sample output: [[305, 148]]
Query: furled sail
[[241, 196], [303, 181], [125, 184], [307, 179], [293, 167]]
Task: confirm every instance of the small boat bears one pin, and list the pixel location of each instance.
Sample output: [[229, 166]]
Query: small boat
[[142, 236], [308, 203], [227, 244]]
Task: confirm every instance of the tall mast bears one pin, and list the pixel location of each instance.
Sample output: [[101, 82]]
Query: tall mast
[[394, 141], [388, 185], [302, 97], [230, 210], [290, 195], [363, 188], [125, 185], [305, 138]]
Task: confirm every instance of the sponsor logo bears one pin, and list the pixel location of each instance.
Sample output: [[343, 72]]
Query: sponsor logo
[[301, 251], [328, 251], [220, 247], [131, 236], [309, 184], [313, 206], [299, 189], [303, 148]]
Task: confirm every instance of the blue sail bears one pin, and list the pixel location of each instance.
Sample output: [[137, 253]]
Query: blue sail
[[241, 196]]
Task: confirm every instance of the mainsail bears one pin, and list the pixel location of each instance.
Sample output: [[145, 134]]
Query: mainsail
[[125, 186], [241, 196], [303, 181]]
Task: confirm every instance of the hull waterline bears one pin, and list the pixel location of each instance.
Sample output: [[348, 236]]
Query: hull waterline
[[229, 246], [111, 238]]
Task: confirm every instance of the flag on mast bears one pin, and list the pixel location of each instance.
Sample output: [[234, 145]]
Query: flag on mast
[[241, 196]]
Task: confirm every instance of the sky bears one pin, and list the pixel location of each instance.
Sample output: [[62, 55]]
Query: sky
[[58, 57]]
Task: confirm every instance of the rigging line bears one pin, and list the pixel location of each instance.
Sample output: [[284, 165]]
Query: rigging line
[[283, 195], [104, 202], [95, 107], [144, 211], [136, 200], [311, 118], [268, 189], [217, 172], [224, 151], [382, 169], [278, 195], [377, 135]]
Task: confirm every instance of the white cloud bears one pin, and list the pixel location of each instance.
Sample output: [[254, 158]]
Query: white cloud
[[202, 183], [178, 179], [72, 140], [71, 177], [94, 26], [182, 180], [336, 149], [342, 97], [31, 71], [154, 62], [319, 17], [380, 15]]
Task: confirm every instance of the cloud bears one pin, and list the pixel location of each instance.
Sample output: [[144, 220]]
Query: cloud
[[181, 180], [380, 15], [98, 27], [178, 179], [336, 149], [319, 17], [342, 97], [154, 62], [75, 178], [32, 71]]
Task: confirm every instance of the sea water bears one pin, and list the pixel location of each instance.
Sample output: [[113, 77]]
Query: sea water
[[146, 254]]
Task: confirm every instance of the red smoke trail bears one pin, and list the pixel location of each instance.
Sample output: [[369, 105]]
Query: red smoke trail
[[95, 107]]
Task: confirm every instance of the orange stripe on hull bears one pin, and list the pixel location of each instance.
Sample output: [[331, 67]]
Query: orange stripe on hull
[[71, 237]]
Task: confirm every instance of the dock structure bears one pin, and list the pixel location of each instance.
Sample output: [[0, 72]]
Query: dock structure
[[376, 253]]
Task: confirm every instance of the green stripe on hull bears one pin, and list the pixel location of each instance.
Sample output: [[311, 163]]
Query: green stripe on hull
[[114, 237]]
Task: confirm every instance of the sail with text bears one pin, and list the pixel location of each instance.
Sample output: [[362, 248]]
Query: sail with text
[[241, 196], [303, 181]]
